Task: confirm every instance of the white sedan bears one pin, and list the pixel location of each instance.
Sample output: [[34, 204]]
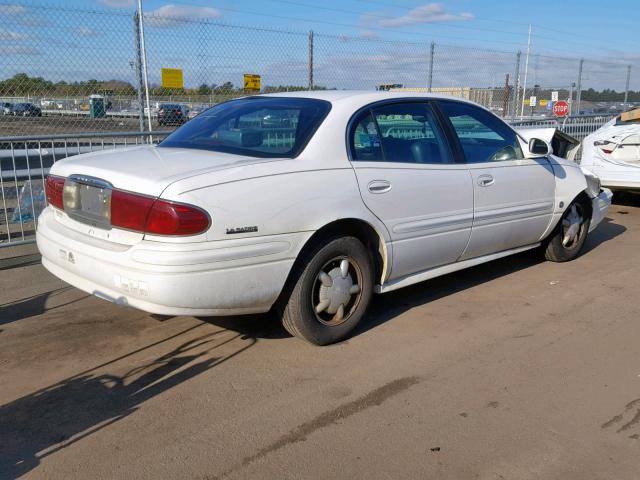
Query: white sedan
[[309, 203]]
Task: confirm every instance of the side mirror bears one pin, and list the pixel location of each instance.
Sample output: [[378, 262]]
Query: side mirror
[[539, 148]]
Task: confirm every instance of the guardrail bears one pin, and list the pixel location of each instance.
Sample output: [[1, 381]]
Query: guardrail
[[24, 162], [576, 126]]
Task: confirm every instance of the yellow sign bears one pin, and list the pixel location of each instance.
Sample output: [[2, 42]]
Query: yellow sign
[[252, 82], [172, 78], [527, 102], [544, 102]]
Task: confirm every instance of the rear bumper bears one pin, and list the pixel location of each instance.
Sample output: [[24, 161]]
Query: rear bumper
[[600, 207], [226, 277]]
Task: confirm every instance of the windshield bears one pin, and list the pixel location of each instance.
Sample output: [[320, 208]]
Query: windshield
[[253, 126]]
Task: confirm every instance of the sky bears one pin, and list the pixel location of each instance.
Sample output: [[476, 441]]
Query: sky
[[357, 42]]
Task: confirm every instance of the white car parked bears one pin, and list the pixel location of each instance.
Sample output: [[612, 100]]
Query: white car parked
[[613, 153], [310, 203]]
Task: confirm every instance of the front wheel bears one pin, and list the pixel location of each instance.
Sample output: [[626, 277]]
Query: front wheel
[[567, 239], [332, 290]]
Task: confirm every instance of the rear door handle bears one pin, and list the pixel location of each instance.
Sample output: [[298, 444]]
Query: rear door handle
[[379, 186], [485, 180]]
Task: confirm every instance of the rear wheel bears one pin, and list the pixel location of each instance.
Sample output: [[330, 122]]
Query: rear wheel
[[568, 238], [332, 290]]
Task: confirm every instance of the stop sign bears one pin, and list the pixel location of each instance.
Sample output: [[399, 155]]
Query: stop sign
[[561, 108]]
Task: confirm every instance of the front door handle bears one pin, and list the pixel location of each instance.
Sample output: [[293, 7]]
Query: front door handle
[[379, 186], [485, 180]]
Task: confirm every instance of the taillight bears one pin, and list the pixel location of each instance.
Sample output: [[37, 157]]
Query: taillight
[[168, 218], [54, 186], [129, 210], [156, 216]]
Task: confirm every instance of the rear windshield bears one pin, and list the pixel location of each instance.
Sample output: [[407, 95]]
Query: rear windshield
[[253, 126], [169, 106]]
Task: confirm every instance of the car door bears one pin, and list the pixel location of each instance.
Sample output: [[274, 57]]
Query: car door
[[513, 196], [408, 178]]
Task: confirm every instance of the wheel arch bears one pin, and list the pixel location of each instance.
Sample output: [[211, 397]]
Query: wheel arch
[[372, 239]]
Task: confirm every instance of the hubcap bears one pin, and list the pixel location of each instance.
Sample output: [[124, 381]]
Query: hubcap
[[336, 291], [572, 226]]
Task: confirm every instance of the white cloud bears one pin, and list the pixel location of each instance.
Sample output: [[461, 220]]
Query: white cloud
[[15, 9], [18, 50], [84, 31], [172, 15], [368, 34], [117, 3], [9, 35], [428, 13]]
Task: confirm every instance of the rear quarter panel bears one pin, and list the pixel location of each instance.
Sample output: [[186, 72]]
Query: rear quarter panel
[[274, 199]]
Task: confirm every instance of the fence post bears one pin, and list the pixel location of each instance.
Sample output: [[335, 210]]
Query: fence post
[[626, 88], [516, 86], [145, 72], [430, 82], [138, 67], [579, 87], [505, 100], [310, 59]]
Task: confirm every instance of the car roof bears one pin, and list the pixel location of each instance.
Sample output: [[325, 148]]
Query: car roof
[[366, 96]]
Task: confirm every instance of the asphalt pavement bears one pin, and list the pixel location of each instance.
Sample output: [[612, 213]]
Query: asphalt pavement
[[516, 369]]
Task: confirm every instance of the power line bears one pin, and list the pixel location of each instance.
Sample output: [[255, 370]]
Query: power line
[[552, 39]]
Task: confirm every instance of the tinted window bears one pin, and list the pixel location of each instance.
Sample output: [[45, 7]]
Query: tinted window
[[399, 132], [483, 136], [254, 126]]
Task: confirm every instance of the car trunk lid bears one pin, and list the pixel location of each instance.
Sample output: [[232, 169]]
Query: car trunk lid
[[143, 170], [148, 170]]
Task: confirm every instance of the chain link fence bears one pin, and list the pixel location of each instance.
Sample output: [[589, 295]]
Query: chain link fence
[[66, 70]]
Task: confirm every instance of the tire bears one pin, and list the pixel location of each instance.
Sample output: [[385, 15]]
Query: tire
[[342, 300], [568, 237]]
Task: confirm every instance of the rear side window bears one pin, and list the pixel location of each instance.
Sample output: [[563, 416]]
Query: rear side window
[[404, 132], [365, 140], [483, 136], [254, 126]]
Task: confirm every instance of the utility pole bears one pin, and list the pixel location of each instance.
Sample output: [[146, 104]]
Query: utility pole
[[144, 62], [138, 69], [526, 71], [505, 103], [579, 89], [433, 51], [626, 88], [310, 59], [571, 87]]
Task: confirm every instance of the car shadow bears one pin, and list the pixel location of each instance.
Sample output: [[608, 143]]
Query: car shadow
[[390, 305], [264, 325], [627, 199], [607, 230], [48, 420]]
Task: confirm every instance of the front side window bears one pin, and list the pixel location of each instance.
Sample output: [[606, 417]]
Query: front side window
[[254, 126], [483, 136], [400, 132]]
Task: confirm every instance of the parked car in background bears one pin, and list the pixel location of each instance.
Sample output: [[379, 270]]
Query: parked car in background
[[172, 114], [5, 108], [26, 110], [355, 193], [613, 153]]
